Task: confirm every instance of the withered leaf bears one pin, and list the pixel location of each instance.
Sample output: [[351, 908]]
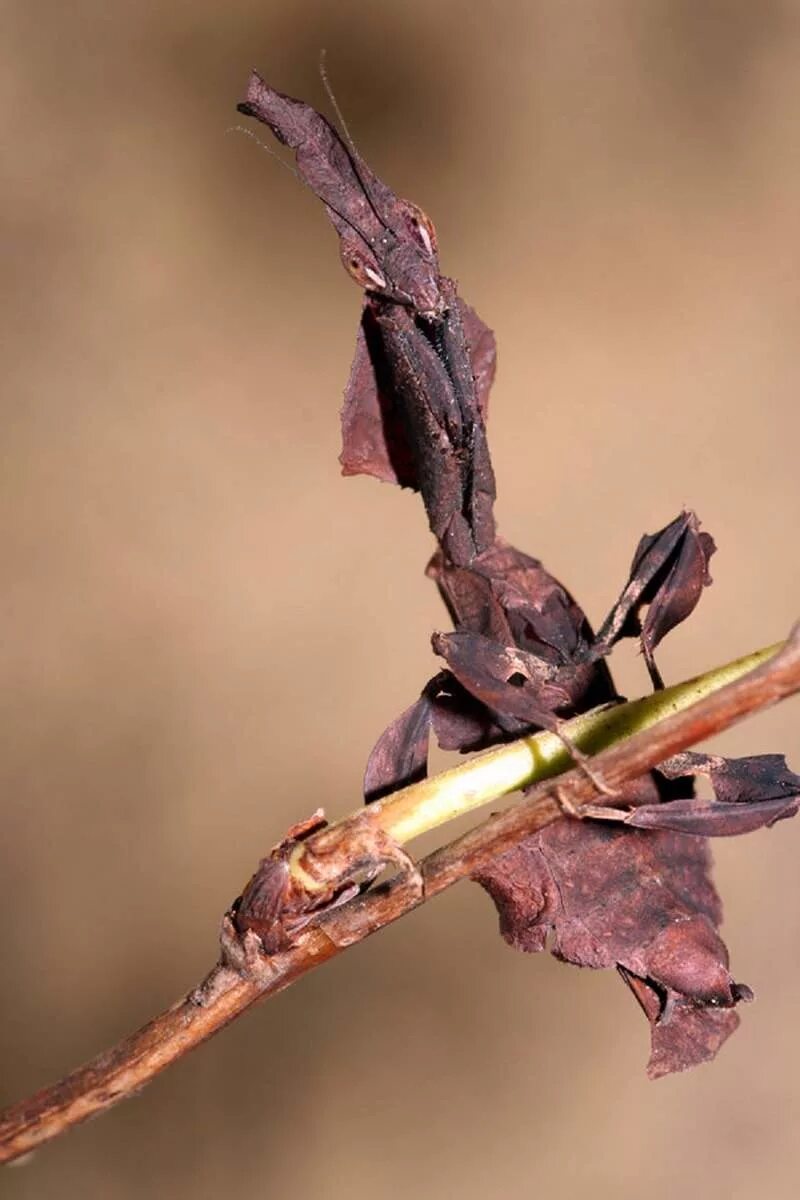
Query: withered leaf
[[271, 900], [668, 574], [637, 900]]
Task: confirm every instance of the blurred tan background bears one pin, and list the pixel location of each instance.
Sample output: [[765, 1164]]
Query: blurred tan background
[[204, 627]]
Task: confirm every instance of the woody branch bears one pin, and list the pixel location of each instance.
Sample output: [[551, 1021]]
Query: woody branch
[[246, 974]]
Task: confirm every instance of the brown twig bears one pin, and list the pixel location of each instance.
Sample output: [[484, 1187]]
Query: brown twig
[[246, 974]]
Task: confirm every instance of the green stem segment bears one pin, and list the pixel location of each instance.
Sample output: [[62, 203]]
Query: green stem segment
[[422, 806]]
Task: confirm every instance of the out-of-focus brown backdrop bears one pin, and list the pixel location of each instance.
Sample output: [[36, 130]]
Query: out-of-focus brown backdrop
[[204, 627]]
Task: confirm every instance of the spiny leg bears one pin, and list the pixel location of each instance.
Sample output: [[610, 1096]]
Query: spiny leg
[[582, 761]]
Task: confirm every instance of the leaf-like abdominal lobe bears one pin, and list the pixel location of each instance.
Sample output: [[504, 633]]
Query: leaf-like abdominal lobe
[[641, 903]]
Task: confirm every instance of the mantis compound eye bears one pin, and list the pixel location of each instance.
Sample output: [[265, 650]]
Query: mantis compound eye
[[421, 227], [361, 266]]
